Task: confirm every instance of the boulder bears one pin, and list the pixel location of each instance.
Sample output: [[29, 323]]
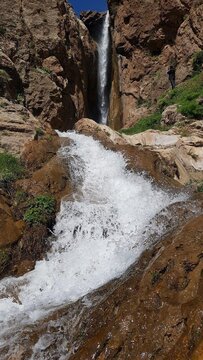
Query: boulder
[[10, 230], [176, 154], [170, 115], [17, 126]]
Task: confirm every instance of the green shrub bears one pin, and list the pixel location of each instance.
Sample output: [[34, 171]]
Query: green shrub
[[20, 196], [197, 62], [149, 122], [20, 98], [10, 168], [43, 70], [4, 259], [40, 209], [200, 187], [38, 132], [192, 110], [186, 97]]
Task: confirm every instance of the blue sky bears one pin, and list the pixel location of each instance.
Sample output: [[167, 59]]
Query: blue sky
[[80, 5]]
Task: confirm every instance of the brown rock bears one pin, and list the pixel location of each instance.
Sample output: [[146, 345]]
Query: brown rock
[[146, 45], [17, 126], [10, 230], [166, 156], [52, 64], [170, 115], [92, 18], [23, 267], [37, 153], [52, 178], [156, 314], [53, 55]]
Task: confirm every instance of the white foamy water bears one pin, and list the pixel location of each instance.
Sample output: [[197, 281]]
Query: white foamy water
[[99, 234], [103, 59]]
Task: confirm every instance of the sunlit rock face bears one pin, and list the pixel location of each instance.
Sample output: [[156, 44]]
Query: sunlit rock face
[[148, 36], [52, 59]]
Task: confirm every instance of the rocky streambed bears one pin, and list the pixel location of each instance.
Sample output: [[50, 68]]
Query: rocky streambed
[[116, 227]]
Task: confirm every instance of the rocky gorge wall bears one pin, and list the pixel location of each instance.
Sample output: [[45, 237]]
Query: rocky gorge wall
[[46, 55], [147, 36]]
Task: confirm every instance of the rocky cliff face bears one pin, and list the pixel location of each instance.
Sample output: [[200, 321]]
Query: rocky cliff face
[[45, 60], [148, 36]]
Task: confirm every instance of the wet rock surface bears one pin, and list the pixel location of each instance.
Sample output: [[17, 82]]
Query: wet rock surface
[[173, 155], [155, 314], [153, 310]]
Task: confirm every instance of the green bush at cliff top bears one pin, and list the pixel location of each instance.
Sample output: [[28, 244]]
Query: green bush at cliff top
[[10, 167], [40, 209]]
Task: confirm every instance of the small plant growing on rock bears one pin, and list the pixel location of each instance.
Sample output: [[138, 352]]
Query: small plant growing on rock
[[20, 196], [38, 133], [43, 70], [40, 210], [200, 187], [10, 168], [197, 62], [20, 98], [4, 259]]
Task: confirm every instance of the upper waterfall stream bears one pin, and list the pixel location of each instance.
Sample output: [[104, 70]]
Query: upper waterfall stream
[[103, 62], [99, 230]]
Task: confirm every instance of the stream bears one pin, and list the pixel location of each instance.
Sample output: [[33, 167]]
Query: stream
[[100, 230]]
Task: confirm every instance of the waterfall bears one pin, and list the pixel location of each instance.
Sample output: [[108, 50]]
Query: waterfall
[[103, 63], [101, 230]]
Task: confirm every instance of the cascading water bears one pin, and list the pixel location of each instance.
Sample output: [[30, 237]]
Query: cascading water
[[103, 64], [99, 230]]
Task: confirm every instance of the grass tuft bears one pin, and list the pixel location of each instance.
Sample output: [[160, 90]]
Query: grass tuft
[[40, 209], [10, 168], [186, 97], [150, 122]]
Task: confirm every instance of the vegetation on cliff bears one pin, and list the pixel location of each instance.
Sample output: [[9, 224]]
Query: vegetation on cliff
[[10, 168], [40, 209], [188, 96]]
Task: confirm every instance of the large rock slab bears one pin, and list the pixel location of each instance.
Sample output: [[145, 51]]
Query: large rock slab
[[17, 126], [175, 154]]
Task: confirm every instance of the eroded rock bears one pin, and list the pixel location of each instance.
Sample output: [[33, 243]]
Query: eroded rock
[[176, 154], [17, 126], [171, 116], [49, 52], [156, 313], [148, 36]]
